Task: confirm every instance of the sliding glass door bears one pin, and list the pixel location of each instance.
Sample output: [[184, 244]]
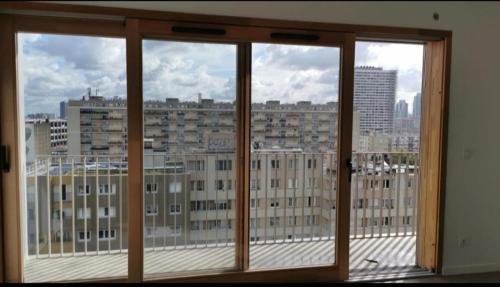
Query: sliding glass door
[[294, 144], [180, 150], [189, 95], [73, 127]]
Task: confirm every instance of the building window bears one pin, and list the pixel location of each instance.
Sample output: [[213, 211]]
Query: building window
[[175, 209], [406, 219], [254, 203], [80, 189], [274, 221], [87, 214], [175, 187], [151, 188], [107, 234], [65, 192], [311, 220], [389, 203], [104, 189], [311, 201], [223, 205], [275, 163], [225, 164], [151, 210], [311, 163], [105, 212], [196, 165], [275, 203], [292, 183], [219, 185], [253, 183], [292, 220], [255, 164], [409, 202], [387, 220], [82, 237], [387, 183], [292, 202], [197, 185]]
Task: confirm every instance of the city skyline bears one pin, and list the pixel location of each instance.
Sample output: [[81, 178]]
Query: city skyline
[[54, 71]]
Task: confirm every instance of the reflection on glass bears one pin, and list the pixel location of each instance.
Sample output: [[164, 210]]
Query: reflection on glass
[[293, 155], [73, 97], [189, 148]]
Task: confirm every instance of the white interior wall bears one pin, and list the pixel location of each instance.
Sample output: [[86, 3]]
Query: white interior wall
[[472, 185]]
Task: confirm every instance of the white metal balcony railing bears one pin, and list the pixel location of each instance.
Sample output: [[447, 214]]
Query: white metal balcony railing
[[190, 200]]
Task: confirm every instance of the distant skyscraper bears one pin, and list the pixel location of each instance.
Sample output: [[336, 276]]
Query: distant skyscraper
[[417, 105], [62, 110], [401, 109], [374, 96]]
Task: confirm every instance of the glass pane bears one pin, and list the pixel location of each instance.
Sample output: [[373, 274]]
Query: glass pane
[[385, 152], [74, 118], [189, 147], [293, 155]]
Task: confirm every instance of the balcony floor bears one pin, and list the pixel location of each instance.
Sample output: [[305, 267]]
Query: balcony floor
[[392, 255]]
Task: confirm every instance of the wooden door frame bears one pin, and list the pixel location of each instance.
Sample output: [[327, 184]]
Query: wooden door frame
[[243, 37], [89, 20], [433, 143]]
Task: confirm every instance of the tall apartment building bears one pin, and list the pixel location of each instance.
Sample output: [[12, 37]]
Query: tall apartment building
[[406, 130], [62, 110], [374, 97], [417, 105], [307, 126], [401, 110], [45, 137], [98, 126]]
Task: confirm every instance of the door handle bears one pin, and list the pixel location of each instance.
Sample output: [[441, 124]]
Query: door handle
[[349, 168], [4, 158]]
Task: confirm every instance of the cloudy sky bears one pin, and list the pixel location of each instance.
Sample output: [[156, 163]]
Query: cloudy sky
[[57, 68]]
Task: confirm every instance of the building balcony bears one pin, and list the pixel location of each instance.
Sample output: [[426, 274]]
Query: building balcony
[[292, 222]]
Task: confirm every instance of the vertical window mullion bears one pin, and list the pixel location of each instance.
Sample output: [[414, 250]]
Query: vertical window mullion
[[135, 149], [242, 159]]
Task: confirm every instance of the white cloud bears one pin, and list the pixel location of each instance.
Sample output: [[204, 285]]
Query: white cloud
[[294, 73], [182, 70], [57, 68]]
